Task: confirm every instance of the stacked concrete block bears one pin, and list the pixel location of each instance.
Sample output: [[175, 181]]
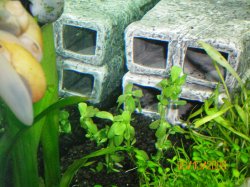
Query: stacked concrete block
[[90, 44], [167, 35]]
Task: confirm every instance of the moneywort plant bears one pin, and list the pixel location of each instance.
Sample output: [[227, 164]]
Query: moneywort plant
[[119, 132]]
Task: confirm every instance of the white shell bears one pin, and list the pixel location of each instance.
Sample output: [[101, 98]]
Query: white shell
[[14, 92]]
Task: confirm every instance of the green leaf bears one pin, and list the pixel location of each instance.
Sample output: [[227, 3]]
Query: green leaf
[[128, 88], [163, 83], [104, 115], [118, 140], [130, 104], [60, 104], [175, 73], [196, 154], [141, 154], [91, 111], [119, 128], [181, 81], [242, 113], [126, 116], [132, 131], [235, 172], [118, 118], [99, 167], [126, 135], [213, 115], [161, 131], [65, 127], [195, 158], [137, 93], [82, 107], [178, 129], [121, 99], [244, 157], [111, 133], [98, 185], [155, 124], [91, 127], [180, 102], [63, 115]]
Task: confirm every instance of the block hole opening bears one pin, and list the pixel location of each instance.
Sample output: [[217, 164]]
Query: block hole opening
[[189, 108], [79, 40], [178, 114], [150, 53], [80, 83], [149, 100], [199, 65]]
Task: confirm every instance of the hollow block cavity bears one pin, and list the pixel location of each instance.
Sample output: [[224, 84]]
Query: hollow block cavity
[[92, 31], [94, 82], [167, 35]]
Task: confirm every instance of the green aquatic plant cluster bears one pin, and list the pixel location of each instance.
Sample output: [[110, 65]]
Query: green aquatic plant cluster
[[219, 131]]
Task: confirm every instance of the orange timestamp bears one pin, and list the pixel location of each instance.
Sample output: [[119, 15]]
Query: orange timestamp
[[202, 165]]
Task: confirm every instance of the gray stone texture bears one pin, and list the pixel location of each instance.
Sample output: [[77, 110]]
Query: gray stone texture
[[108, 18], [89, 39], [167, 35], [224, 24]]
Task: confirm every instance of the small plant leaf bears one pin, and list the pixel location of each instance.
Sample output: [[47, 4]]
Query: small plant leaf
[[235, 172], [137, 93], [142, 155], [180, 102], [242, 114], [118, 140], [126, 116], [175, 72], [161, 131], [212, 116], [82, 108], [121, 99], [104, 115], [244, 157], [155, 124], [128, 88], [118, 128], [130, 104]]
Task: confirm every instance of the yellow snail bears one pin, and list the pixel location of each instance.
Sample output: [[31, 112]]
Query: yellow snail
[[22, 80]]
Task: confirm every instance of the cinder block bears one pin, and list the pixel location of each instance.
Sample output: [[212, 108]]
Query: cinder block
[[94, 82], [167, 35], [93, 31], [192, 93]]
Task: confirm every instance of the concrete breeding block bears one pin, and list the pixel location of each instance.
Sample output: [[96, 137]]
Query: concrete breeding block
[[95, 82], [93, 31], [149, 102], [167, 35]]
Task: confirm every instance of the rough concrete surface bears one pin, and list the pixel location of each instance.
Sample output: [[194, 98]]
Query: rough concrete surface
[[224, 24], [91, 34]]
